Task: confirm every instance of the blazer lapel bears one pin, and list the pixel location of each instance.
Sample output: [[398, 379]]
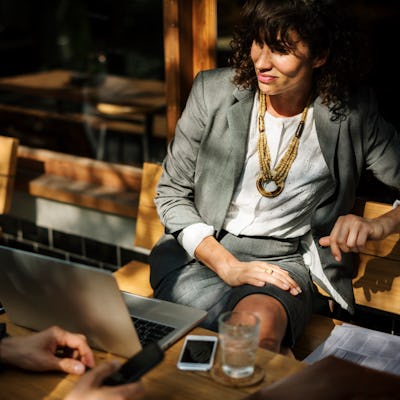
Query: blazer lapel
[[328, 133], [239, 116]]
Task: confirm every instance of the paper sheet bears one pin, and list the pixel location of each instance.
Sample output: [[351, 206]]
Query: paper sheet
[[362, 346]]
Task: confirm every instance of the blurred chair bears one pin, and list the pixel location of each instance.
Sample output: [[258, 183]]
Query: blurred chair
[[8, 164], [134, 277]]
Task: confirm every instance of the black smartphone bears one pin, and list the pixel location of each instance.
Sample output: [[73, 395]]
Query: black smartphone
[[136, 366]]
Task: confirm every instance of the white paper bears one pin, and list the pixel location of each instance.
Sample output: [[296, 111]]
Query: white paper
[[362, 346]]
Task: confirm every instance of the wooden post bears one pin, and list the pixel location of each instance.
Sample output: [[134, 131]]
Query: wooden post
[[8, 162], [190, 36]]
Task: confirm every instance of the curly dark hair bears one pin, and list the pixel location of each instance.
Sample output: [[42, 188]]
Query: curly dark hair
[[323, 25]]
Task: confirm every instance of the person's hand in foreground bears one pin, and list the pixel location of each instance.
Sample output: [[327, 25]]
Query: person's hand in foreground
[[89, 387], [40, 351]]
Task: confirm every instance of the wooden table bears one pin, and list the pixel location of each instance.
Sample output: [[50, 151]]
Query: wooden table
[[118, 103], [118, 90], [164, 382]]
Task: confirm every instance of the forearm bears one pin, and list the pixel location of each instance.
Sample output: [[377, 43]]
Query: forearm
[[18, 351], [3, 336], [390, 222], [212, 254], [7, 350]]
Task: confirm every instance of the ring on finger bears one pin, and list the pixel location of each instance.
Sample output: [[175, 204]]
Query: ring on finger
[[269, 270]]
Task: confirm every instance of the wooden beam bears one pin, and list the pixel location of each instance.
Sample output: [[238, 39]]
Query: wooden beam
[[172, 62], [204, 29], [8, 162], [190, 32]]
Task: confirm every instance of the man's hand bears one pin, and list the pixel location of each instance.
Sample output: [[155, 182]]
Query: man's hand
[[89, 387], [38, 351]]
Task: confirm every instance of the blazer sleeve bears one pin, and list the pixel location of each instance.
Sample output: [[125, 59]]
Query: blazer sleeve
[[175, 191]]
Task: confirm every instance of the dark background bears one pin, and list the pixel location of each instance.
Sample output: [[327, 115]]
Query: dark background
[[125, 37], [45, 34]]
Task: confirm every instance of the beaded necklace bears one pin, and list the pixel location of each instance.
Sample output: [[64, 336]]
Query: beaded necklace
[[279, 174]]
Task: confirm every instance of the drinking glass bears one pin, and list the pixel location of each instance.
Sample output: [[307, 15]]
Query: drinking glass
[[238, 335]]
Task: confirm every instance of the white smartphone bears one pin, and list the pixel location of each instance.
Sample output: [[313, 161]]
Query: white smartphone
[[198, 353]]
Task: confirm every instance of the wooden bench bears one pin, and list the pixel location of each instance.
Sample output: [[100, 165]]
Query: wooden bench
[[376, 281], [84, 182]]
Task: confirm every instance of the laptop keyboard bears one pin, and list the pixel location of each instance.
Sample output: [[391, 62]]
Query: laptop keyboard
[[149, 331]]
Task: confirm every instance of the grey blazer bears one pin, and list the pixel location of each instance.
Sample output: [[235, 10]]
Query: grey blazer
[[206, 157]]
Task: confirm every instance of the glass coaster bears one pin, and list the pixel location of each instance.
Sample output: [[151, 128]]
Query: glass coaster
[[219, 376]]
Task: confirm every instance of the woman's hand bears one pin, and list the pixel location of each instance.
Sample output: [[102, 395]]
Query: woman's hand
[[351, 232], [235, 273], [258, 273]]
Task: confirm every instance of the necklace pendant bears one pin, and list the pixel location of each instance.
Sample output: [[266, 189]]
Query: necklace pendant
[[262, 184]]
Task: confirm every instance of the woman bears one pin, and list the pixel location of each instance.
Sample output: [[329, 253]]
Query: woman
[[263, 171]]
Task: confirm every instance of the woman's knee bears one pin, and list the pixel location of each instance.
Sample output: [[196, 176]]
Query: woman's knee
[[273, 319]]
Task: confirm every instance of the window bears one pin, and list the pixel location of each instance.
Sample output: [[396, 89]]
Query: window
[[84, 77]]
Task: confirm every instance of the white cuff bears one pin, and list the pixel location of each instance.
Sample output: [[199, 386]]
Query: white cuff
[[396, 204], [194, 234]]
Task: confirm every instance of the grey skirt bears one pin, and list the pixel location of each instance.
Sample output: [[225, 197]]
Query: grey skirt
[[196, 285]]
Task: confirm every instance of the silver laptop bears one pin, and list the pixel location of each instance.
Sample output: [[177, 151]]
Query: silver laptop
[[38, 291]]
